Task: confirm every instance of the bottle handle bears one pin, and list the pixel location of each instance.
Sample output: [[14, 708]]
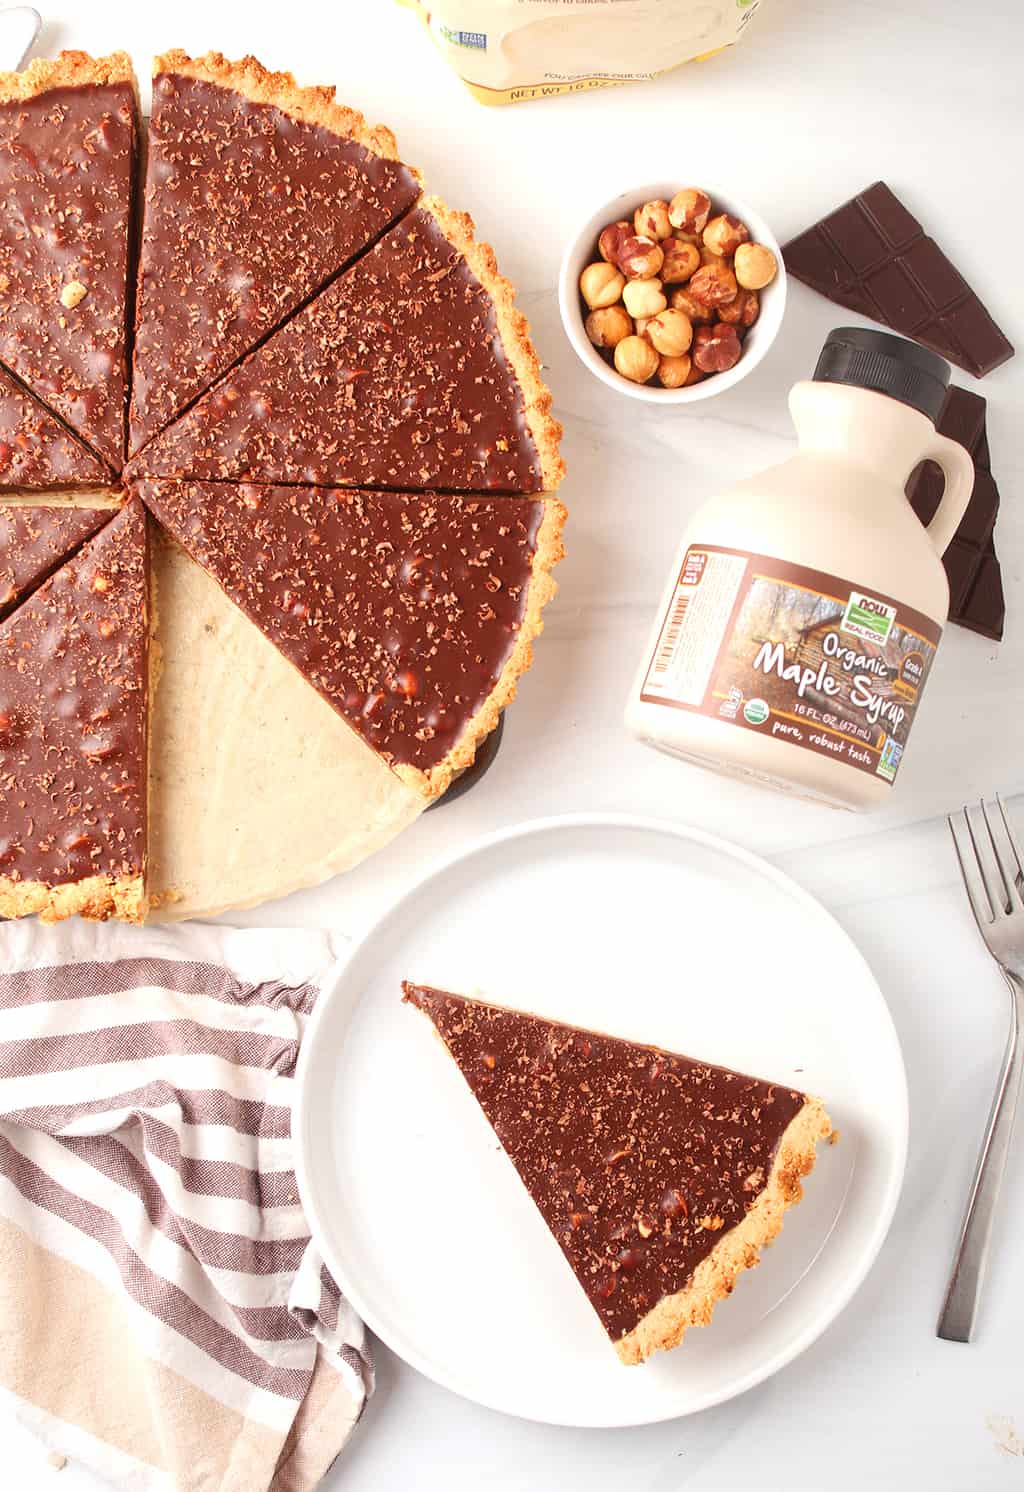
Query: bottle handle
[[958, 470]]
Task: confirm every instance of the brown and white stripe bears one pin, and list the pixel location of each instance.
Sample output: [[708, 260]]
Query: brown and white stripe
[[149, 1212]]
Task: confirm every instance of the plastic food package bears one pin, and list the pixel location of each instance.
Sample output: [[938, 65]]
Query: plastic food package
[[508, 51]]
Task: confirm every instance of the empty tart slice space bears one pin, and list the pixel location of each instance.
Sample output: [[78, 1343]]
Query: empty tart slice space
[[35, 540], [68, 140], [412, 614], [660, 1176], [257, 193], [37, 452], [73, 714], [413, 371]]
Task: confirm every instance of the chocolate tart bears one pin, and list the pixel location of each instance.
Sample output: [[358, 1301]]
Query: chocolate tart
[[257, 193], [37, 452], [412, 614], [413, 370], [35, 541], [68, 142], [73, 696], [323, 662], [661, 1177]]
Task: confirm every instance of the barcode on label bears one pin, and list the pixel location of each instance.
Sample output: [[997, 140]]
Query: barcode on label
[[670, 636]]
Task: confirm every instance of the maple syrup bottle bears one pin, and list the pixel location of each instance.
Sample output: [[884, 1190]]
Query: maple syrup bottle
[[805, 607]]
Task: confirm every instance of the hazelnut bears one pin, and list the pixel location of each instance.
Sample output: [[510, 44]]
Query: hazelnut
[[694, 375], [608, 325], [640, 325], [755, 266], [651, 220], [644, 297], [714, 284], [716, 348], [73, 294], [689, 209], [681, 259], [610, 240], [601, 285], [743, 311], [683, 299], [636, 359], [708, 256], [673, 372], [673, 1203], [724, 234], [639, 258], [670, 333]]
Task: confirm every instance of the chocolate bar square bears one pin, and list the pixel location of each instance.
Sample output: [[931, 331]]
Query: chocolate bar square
[[872, 256], [975, 581]]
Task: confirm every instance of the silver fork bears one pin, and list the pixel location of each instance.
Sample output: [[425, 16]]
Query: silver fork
[[992, 865]]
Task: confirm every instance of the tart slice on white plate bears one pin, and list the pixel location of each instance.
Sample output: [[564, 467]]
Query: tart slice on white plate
[[661, 1177]]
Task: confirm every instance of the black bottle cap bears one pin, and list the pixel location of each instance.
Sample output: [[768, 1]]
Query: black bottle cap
[[865, 359]]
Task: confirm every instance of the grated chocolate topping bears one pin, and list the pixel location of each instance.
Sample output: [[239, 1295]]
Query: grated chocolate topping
[[639, 1160], [401, 609], [248, 211], [73, 689], [394, 376], [35, 541], [36, 451], [66, 164]]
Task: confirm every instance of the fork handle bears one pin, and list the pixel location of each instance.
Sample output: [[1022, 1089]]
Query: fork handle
[[956, 1323]]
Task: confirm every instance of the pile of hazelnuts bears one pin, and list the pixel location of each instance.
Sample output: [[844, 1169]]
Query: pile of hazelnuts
[[675, 291]]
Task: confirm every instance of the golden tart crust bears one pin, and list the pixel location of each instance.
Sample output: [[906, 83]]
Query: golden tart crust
[[68, 70]]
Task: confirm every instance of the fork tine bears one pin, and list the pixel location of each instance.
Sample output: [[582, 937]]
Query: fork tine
[[987, 856], [970, 871], [1007, 853], [1018, 853], [1001, 877]]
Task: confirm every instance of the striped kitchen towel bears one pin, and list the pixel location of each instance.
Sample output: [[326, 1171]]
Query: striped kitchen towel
[[164, 1317]]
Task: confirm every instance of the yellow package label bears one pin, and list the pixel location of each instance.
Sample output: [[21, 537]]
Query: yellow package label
[[508, 51]]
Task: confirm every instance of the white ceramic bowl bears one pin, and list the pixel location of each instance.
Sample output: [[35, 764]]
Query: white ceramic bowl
[[582, 250]]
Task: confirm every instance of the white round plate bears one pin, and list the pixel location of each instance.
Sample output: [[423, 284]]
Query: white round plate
[[640, 928]]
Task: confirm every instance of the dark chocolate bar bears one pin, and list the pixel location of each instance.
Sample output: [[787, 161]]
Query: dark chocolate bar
[[975, 581], [873, 257]]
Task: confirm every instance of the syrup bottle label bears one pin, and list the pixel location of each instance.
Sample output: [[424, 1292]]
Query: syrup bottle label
[[794, 654]]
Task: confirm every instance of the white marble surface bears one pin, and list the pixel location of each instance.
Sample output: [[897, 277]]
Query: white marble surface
[[821, 99]]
